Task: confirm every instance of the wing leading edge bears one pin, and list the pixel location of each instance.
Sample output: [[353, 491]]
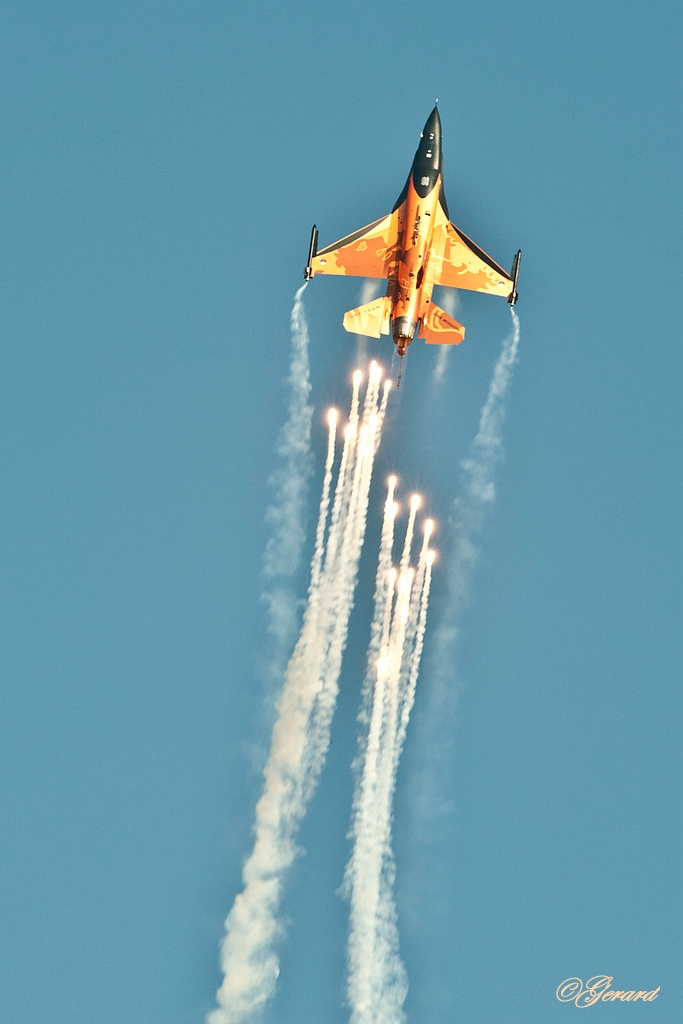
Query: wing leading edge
[[457, 261]]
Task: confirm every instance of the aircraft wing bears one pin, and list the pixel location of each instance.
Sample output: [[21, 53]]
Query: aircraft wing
[[365, 253], [459, 263]]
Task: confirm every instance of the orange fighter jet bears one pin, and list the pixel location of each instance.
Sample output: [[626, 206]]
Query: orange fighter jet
[[414, 248]]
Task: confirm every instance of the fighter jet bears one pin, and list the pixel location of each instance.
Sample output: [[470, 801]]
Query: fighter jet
[[415, 247]]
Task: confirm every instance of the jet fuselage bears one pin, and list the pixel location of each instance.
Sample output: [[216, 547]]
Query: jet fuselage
[[411, 292], [413, 248]]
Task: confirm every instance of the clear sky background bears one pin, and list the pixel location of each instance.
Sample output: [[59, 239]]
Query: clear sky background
[[161, 166]]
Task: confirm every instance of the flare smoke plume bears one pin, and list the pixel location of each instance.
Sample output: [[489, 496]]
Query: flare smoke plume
[[477, 494], [376, 977], [450, 302], [301, 731], [286, 515]]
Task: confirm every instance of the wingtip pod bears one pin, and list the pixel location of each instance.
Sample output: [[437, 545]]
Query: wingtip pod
[[312, 251], [514, 274]]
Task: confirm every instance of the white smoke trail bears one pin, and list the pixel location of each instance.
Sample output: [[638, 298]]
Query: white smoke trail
[[286, 515], [343, 571], [434, 726], [379, 628], [369, 289], [477, 494], [451, 303], [377, 983], [423, 588], [301, 732]]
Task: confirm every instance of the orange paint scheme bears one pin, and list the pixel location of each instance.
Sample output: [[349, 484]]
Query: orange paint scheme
[[370, 252], [412, 288], [413, 248]]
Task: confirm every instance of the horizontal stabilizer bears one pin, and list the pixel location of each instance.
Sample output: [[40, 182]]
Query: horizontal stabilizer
[[441, 329], [372, 319]]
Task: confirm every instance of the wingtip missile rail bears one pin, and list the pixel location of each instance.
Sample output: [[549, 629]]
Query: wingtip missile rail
[[514, 274], [312, 251]]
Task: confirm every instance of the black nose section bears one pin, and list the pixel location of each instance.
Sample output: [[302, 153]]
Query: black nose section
[[427, 162], [432, 128]]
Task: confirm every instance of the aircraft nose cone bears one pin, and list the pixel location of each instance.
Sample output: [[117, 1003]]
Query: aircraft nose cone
[[432, 127], [427, 162]]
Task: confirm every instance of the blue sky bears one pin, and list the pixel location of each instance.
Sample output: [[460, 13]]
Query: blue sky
[[161, 167]]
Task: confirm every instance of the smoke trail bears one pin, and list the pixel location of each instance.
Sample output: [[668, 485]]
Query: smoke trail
[[377, 984], [342, 573], [368, 291], [451, 303], [301, 731], [286, 515], [476, 496]]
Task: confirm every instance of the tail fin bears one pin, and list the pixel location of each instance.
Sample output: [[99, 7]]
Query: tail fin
[[372, 319], [441, 329]]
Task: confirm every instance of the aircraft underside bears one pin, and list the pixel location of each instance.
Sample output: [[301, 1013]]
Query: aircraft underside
[[414, 248]]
